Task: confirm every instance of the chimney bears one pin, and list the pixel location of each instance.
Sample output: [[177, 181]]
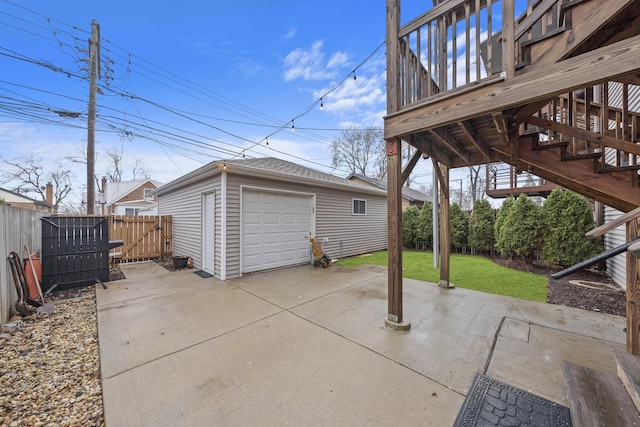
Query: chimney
[[48, 197]]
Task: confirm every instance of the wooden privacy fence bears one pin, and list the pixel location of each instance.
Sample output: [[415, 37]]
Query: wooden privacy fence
[[144, 237]]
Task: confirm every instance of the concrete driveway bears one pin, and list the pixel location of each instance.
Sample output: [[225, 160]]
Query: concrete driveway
[[308, 346]]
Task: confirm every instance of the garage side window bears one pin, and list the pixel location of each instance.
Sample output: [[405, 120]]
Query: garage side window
[[359, 207]]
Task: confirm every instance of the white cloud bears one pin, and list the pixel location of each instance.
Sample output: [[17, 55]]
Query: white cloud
[[309, 64], [338, 59], [353, 96], [291, 33]]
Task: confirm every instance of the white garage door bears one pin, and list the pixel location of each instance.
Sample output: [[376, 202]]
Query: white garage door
[[275, 229]]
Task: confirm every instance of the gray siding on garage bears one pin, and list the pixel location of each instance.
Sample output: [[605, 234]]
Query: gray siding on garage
[[348, 234], [185, 206]]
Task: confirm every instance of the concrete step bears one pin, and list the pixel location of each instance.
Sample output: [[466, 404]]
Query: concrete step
[[598, 398]]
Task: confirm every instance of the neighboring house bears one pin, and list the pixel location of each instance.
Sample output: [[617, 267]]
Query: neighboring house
[[410, 197], [131, 197], [19, 201], [240, 216]]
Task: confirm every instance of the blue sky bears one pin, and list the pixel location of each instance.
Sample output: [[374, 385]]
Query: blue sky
[[192, 82]]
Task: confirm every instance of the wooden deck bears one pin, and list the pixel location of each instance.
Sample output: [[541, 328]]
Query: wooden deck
[[549, 87], [567, 77]]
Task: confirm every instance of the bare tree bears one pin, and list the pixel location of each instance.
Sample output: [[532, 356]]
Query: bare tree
[[357, 149], [476, 183], [139, 171], [114, 171], [32, 177], [380, 163]]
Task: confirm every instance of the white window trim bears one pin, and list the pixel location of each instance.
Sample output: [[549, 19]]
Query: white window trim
[[147, 193], [353, 207]]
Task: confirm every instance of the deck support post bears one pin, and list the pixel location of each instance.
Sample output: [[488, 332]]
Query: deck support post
[[394, 223], [633, 292], [445, 234]]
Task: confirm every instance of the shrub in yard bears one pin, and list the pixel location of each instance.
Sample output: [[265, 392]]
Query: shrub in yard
[[409, 223], [501, 218], [567, 217], [425, 224], [459, 226], [521, 232], [481, 226]]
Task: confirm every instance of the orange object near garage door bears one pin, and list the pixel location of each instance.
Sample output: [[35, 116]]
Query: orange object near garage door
[[28, 272]]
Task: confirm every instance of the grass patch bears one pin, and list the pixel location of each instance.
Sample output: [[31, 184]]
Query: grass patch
[[467, 271]]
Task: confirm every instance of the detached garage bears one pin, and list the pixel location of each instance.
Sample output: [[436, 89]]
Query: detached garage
[[241, 216]]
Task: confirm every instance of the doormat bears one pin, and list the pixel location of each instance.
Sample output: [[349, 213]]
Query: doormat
[[491, 403], [203, 274]]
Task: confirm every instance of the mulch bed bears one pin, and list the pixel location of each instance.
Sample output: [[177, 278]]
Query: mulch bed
[[601, 298]]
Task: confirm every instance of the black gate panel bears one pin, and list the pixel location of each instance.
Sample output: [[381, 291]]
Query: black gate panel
[[75, 251]]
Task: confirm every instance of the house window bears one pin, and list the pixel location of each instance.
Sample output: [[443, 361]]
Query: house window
[[131, 211], [147, 194], [359, 207]]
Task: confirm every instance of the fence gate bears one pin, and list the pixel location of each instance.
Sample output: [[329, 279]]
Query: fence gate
[[75, 251], [143, 237]]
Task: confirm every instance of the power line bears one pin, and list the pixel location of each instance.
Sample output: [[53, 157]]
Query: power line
[[190, 88]]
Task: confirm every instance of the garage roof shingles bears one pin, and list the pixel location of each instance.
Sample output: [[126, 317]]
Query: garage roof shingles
[[271, 167]]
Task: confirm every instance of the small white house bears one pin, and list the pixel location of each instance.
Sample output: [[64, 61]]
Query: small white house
[[131, 197], [240, 216]]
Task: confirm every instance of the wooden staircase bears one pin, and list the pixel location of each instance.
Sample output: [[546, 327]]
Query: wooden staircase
[[601, 399], [555, 92]]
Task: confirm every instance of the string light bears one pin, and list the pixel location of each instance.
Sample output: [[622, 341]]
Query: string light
[[306, 111], [224, 165]]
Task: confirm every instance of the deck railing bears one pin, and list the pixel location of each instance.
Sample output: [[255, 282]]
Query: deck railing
[[463, 43], [503, 180], [611, 109]]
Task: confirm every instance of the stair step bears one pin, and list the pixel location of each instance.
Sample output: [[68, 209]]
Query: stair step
[[629, 373], [618, 168], [598, 398], [543, 37], [550, 145], [582, 156]]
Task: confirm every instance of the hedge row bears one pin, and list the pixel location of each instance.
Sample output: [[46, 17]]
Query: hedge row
[[520, 228]]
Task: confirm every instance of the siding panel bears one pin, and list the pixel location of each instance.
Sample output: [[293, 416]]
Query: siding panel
[[185, 205], [617, 265], [348, 234]]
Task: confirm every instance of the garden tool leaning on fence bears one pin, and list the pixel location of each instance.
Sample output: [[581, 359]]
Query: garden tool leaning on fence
[[319, 257], [24, 305]]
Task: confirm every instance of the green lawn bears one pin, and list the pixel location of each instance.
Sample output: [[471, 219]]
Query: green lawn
[[467, 271]]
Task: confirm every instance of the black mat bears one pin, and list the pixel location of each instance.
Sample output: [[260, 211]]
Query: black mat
[[494, 403], [203, 274]]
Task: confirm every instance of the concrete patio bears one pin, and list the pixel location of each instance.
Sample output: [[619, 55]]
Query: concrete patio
[[308, 346]]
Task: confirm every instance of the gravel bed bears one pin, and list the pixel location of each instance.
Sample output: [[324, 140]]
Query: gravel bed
[[50, 365]]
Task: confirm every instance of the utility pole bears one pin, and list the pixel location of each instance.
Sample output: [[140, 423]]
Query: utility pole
[[94, 61]]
